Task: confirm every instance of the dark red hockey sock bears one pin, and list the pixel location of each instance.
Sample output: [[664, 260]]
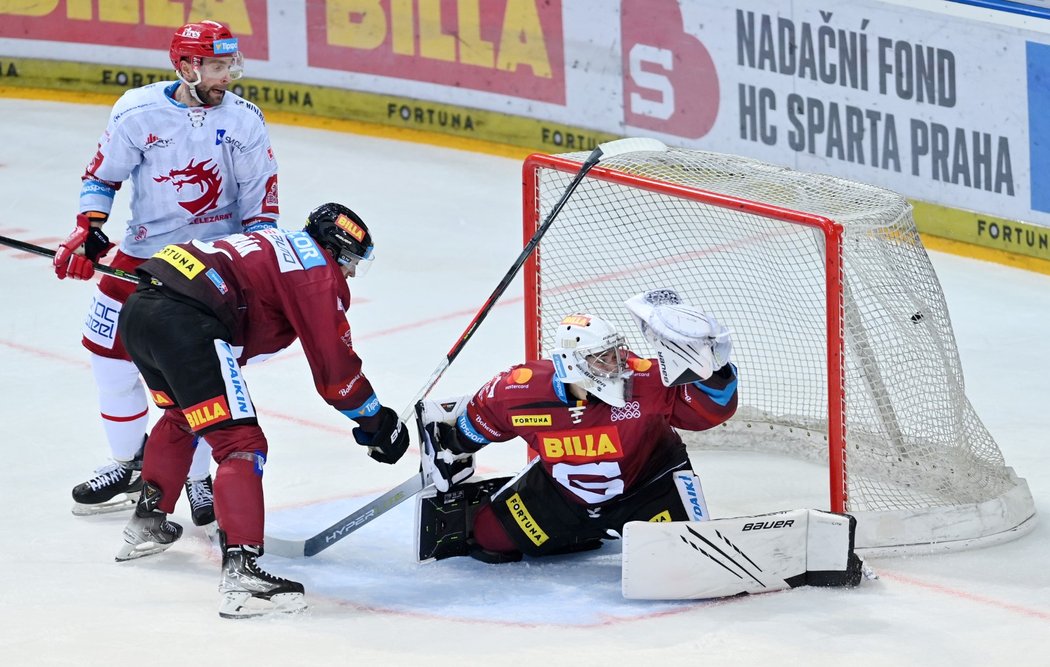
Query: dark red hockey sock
[[167, 458], [239, 508], [490, 534]]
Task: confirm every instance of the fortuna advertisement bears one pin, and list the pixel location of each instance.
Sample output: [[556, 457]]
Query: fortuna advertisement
[[942, 104]]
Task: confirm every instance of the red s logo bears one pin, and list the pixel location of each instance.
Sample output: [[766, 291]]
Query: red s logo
[[670, 83]]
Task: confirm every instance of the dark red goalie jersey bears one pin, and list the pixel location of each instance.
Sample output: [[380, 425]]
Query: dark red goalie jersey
[[595, 451]]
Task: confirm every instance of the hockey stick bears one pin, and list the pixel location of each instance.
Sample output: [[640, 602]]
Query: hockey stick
[[47, 252], [410, 487]]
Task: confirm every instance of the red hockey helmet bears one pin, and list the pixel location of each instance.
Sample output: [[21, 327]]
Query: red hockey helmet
[[207, 39]]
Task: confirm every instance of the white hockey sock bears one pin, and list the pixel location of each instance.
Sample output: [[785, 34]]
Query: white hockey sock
[[123, 406], [201, 465]]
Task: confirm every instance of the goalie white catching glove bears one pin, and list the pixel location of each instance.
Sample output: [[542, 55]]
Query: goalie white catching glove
[[444, 460], [689, 344]]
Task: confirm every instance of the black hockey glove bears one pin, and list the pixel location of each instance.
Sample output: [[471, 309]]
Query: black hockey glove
[[440, 461], [389, 441]]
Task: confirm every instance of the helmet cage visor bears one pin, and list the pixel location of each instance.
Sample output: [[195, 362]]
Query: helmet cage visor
[[348, 251], [345, 257], [214, 67], [607, 359], [218, 66]]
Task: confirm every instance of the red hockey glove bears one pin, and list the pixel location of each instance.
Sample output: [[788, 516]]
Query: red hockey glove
[[76, 256]]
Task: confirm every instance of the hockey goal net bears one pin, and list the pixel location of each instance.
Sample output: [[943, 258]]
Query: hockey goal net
[[840, 328]]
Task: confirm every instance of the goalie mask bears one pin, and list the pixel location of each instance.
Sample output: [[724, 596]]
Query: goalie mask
[[589, 353], [343, 233]]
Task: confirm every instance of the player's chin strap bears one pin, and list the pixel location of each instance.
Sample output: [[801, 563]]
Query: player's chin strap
[[193, 85], [415, 484]]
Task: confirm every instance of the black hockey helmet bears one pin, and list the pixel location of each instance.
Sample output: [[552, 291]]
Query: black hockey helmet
[[342, 232]]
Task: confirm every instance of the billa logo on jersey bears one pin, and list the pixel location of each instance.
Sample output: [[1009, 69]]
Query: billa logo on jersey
[[519, 376], [161, 399], [582, 445], [350, 227], [531, 420], [528, 525], [184, 262], [211, 411], [578, 320]]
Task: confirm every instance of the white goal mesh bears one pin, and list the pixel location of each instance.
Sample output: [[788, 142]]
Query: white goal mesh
[[840, 329]]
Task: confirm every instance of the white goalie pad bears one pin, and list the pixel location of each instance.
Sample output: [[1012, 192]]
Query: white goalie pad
[[689, 344], [692, 560]]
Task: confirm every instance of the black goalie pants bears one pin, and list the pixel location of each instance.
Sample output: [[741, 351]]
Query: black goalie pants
[[538, 517]]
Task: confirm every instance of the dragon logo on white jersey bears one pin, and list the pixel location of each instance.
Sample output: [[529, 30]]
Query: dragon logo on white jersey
[[206, 180]]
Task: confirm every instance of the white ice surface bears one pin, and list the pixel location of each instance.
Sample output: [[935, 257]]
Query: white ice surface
[[447, 229]]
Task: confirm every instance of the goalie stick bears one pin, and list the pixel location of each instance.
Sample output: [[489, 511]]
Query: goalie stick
[[410, 487], [47, 252]]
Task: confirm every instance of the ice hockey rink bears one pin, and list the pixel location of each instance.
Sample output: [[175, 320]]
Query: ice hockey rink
[[447, 228]]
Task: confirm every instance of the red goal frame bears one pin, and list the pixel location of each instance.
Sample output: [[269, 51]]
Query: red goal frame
[[532, 218]]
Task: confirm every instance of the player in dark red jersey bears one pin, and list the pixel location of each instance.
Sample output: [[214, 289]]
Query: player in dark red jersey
[[600, 423], [203, 310]]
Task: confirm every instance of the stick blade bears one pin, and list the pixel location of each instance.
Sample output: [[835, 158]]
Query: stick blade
[[631, 145], [275, 546]]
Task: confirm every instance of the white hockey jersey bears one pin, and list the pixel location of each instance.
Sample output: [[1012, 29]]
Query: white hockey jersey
[[196, 172]]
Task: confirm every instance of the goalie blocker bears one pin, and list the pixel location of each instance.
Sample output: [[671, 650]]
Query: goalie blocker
[[689, 560]]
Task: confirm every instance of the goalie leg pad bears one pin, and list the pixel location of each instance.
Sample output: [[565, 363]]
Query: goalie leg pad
[[445, 520], [689, 560]]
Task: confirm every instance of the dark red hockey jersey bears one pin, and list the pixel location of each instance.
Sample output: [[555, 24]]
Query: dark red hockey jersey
[[269, 288], [594, 450]]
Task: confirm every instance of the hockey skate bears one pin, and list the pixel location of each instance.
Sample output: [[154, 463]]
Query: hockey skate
[[247, 590], [149, 531], [113, 488], [202, 501]]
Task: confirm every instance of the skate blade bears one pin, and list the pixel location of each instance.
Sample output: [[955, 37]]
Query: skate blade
[[211, 531], [133, 551], [80, 509], [241, 604]]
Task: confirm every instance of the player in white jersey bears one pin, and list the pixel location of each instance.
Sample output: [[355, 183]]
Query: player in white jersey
[[201, 167]]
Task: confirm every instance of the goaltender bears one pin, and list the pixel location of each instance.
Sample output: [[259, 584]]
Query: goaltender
[[600, 423]]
